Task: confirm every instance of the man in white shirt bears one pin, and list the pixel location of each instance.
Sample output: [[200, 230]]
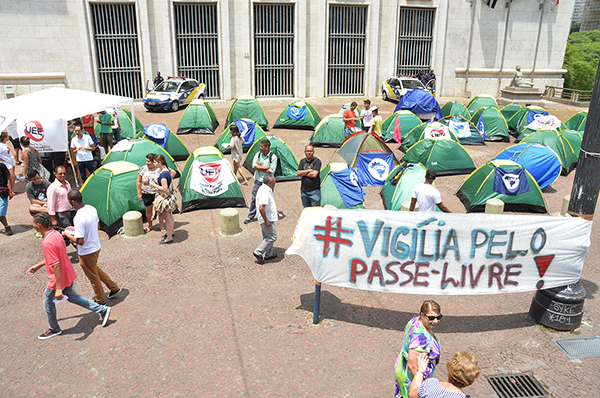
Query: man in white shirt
[[427, 196], [366, 116], [267, 215], [83, 146], [85, 234]]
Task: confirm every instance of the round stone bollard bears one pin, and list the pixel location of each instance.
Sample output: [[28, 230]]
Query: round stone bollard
[[133, 223], [565, 205], [230, 221], [559, 308], [494, 206], [405, 206]]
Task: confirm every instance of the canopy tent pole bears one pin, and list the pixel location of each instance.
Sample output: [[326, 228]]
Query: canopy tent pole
[[133, 119]]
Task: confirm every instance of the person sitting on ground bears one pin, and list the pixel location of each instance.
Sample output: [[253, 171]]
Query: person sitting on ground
[[463, 370], [36, 192]]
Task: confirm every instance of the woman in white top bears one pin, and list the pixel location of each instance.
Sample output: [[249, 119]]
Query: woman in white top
[[237, 153]]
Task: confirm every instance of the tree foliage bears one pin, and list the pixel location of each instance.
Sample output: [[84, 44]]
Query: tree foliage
[[581, 59]]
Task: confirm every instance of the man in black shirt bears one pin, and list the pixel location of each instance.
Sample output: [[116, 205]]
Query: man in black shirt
[[36, 192], [158, 79], [309, 169]]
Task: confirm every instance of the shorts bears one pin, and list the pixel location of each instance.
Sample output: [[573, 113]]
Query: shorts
[[148, 199], [3, 206], [16, 143], [106, 140]]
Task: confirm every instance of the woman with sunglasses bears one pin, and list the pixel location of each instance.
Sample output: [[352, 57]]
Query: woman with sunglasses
[[418, 338]]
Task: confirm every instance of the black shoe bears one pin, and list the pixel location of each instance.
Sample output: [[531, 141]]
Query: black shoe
[[105, 316], [259, 258], [113, 294], [272, 256], [48, 334], [165, 241], [248, 220]]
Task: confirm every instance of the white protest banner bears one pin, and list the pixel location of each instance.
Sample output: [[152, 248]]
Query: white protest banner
[[45, 134], [211, 179], [441, 253]]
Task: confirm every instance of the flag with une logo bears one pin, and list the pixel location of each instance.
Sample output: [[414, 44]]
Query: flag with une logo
[[296, 112], [510, 182]]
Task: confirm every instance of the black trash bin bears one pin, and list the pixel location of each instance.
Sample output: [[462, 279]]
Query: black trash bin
[[559, 308]]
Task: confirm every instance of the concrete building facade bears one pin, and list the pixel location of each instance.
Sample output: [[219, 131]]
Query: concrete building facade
[[590, 19], [280, 48]]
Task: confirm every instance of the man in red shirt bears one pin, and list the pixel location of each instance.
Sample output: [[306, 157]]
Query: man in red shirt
[[61, 276], [350, 119]]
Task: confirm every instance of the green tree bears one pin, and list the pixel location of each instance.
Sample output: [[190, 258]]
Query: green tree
[[581, 60]]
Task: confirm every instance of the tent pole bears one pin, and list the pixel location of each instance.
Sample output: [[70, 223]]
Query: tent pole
[[133, 118], [73, 167]]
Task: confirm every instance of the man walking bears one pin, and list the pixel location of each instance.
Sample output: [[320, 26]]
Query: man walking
[[427, 196], [350, 119], [61, 276], [267, 215], [85, 234], [308, 169], [264, 162]]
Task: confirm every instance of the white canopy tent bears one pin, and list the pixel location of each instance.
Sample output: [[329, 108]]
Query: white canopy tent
[[43, 115]]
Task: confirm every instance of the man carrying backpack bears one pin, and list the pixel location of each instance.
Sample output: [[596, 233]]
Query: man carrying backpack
[[264, 162]]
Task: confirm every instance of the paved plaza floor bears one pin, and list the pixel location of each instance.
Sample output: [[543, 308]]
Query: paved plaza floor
[[200, 318]]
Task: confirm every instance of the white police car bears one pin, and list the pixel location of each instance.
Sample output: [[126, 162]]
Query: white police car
[[396, 87], [174, 92]]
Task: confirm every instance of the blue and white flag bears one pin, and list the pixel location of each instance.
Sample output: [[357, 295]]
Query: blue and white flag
[[373, 168], [510, 182], [461, 129], [158, 133], [246, 130], [346, 182], [481, 126], [296, 113]]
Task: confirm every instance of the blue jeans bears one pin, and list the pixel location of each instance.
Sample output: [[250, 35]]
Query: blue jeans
[[269, 237], [74, 298], [347, 132], [252, 212], [311, 198], [87, 165]]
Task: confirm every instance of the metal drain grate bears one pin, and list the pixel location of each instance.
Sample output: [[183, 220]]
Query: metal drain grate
[[517, 385], [579, 347]]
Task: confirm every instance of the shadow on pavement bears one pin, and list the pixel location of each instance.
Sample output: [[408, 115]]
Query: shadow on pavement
[[333, 308]]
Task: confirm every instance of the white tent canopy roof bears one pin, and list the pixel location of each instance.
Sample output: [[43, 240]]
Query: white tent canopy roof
[[60, 103]]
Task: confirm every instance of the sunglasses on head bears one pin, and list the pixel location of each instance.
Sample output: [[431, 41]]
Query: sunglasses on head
[[433, 317]]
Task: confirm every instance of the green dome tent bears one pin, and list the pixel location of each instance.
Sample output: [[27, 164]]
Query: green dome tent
[[356, 111], [447, 157], [523, 117], [247, 107], [558, 143], [465, 131], [125, 124], [509, 110], [329, 132], [455, 108], [407, 120], [198, 118], [427, 130], [490, 122], [360, 142], [135, 151], [111, 190], [207, 182], [330, 194], [400, 184], [575, 138], [287, 163], [298, 115], [478, 188], [577, 121], [250, 131], [481, 101], [173, 146]]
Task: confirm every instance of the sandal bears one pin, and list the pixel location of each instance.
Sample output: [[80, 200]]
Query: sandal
[[147, 229]]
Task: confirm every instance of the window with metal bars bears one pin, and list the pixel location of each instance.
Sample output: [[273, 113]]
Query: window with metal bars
[[346, 57], [415, 40], [117, 49], [197, 44], [274, 50]]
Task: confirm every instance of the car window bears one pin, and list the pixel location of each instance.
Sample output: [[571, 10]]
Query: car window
[[186, 86], [394, 82], [167, 87], [193, 83], [411, 84]]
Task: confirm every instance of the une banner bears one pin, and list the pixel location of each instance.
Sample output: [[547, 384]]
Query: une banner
[[45, 134], [441, 253]]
